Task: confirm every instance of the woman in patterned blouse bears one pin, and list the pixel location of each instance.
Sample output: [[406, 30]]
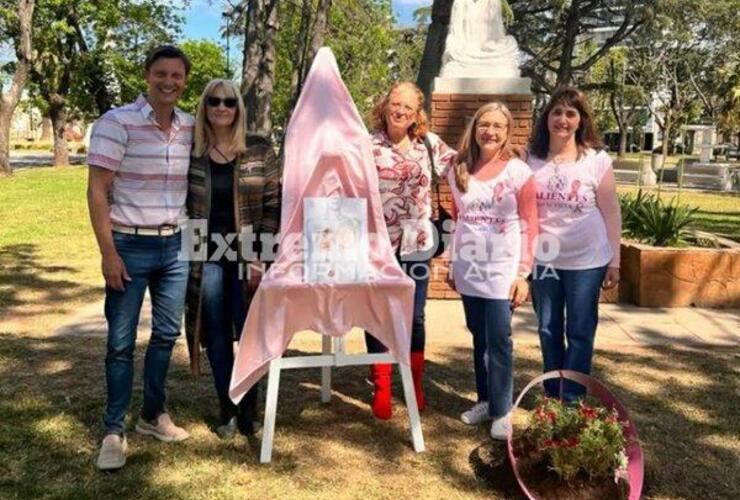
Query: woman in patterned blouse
[[402, 148]]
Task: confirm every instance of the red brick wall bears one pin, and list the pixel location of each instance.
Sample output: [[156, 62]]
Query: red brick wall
[[449, 115]]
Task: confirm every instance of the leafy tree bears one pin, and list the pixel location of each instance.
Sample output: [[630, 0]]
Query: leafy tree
[[208, 61], [92, 48], [620, 95], [551, 35], [678, 58], [359, 32], [15, 27]]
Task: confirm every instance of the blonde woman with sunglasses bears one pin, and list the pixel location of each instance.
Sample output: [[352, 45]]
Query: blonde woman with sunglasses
[[233, 187]]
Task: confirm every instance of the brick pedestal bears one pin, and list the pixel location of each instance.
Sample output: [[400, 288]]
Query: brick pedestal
[[449, 115]]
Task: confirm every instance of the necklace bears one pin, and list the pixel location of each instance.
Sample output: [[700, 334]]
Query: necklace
[[215, 148]]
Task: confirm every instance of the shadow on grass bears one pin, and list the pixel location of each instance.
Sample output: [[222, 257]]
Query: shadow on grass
[[52, 396], [23, 273]]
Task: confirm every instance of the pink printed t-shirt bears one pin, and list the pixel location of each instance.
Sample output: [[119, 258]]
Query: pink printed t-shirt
[[488, 232], [573, 232]]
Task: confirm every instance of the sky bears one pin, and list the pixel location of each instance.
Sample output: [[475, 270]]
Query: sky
[[203, 18]]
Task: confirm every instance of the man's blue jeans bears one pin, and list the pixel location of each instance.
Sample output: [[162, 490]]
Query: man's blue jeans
[[150, 261], [489, 320], [567, 307]]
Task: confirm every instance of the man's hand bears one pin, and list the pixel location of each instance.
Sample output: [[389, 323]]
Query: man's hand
[[114, 271]]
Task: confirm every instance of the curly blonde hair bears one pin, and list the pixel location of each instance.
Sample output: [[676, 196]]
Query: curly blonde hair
[[418, 129]]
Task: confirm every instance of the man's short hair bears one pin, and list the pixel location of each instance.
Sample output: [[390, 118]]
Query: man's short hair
[[166, 52]]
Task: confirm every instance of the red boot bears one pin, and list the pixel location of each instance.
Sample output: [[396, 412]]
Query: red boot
[[381, 375], [417, 370]]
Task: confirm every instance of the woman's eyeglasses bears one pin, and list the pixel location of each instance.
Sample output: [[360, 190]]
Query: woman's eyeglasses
[[498, 127], [214, 102]]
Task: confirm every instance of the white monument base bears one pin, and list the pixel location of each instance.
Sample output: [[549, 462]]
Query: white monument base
[[482, 86]]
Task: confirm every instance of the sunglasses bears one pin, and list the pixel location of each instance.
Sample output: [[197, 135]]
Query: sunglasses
[[214, 102]]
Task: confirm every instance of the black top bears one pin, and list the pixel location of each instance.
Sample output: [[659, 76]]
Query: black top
[[221, 219]]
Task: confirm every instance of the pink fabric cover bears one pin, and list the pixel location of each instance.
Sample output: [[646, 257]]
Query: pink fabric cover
[[327, 153]]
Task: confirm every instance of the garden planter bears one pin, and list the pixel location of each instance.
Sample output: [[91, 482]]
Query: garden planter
[[680, 277], [635, 468]]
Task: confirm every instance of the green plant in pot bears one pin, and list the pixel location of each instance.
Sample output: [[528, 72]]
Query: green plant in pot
[[649, 219]]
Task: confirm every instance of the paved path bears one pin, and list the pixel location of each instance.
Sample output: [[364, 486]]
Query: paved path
[[33, 159], [619, 325]]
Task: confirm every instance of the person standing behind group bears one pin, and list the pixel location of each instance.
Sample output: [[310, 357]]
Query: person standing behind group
[[406, 154], [234, 186], [139, 156], [580, 226], [496, 224]]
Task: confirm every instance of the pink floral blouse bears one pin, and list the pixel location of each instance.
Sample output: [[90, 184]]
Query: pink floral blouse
[[405, 189]]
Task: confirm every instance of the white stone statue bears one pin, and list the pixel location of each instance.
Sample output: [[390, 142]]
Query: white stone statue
[[477, 45]]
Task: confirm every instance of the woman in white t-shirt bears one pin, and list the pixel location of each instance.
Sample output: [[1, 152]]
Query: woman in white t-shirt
[[496, 212], [580, 227]]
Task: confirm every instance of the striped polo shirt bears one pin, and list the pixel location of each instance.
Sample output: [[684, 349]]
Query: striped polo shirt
[[151, 166]]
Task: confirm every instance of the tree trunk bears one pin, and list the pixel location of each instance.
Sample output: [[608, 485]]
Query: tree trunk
[[58, 116], [259, 64], [9, 101], [46, 129], [264, 85], [252, 47], [299, 56], [303, 58], [565, 66], [319, 29], [622, 142], [5, 167], [616, 107], [666, 136], [431, 61]]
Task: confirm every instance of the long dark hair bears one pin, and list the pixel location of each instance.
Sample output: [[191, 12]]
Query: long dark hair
[[586, 135]]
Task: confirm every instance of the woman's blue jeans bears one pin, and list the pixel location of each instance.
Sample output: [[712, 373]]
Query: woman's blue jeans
[[567, 307], [489, 321], [420, 273], [222, 316]]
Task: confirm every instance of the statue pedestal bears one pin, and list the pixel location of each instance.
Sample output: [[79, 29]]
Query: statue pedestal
[[484, 86], [454, 102]]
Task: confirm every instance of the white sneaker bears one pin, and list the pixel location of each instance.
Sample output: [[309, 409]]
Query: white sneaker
[[501, 427], [112, 453], [476, 415]]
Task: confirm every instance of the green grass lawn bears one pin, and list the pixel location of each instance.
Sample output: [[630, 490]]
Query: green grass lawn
[[52, 394], [718, 213], [49, 262], [670, 162]]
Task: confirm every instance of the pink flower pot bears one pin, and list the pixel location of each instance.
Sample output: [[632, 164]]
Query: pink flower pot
[[636, 466]]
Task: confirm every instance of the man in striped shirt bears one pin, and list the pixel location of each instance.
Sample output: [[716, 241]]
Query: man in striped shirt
[[139, 157]]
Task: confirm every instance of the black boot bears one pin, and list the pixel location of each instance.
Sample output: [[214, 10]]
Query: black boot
[[227, 419], [247, 412]]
